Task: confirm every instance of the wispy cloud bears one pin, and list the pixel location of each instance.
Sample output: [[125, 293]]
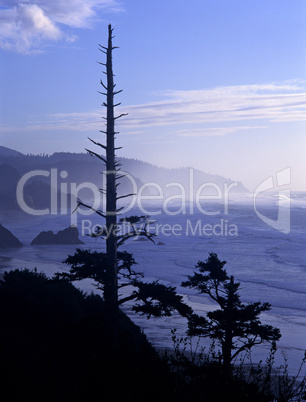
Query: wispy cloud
[[215, 131], [231, 107], [26, 25], [211, 112]]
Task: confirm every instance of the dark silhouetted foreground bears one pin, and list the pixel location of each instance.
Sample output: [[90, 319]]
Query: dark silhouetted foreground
[[53, 348], [52, 339]]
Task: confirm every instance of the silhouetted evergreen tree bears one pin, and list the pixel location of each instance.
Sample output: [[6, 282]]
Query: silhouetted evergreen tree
[[107, 268], [151, 299], [110, 286], [235, 326]]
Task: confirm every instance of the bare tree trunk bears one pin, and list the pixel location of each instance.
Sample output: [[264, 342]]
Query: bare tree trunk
[[111, 286], [228, 341], [227, 354]]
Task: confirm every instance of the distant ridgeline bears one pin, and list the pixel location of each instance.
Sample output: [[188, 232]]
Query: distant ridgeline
[[67, 176]]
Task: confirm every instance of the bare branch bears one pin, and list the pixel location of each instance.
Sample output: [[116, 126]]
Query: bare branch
[[118, 92], [95, 154], [97, 211], [121, 176], [121, 115], [125, 238], [127, 298], [135, 233], [97, 143], [104, 86], [125, 196]]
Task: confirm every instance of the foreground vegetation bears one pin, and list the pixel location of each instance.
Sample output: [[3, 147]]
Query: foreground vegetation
[[53, 347]]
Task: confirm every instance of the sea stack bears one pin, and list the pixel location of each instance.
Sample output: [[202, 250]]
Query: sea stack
[[7, 239], [66, 236]]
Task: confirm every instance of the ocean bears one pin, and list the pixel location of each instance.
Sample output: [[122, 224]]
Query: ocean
[[267, 257]]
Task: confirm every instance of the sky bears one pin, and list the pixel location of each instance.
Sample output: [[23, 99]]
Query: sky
[[218, 85]]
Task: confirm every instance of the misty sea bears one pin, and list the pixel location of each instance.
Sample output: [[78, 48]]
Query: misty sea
[[269, 264]]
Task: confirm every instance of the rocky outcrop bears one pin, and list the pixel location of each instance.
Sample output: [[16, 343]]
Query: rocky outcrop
[[66, 236], [7, 239]]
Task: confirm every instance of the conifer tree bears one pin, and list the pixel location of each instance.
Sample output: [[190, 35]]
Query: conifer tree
[[111, 278], [151, 298], [235, 326]]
